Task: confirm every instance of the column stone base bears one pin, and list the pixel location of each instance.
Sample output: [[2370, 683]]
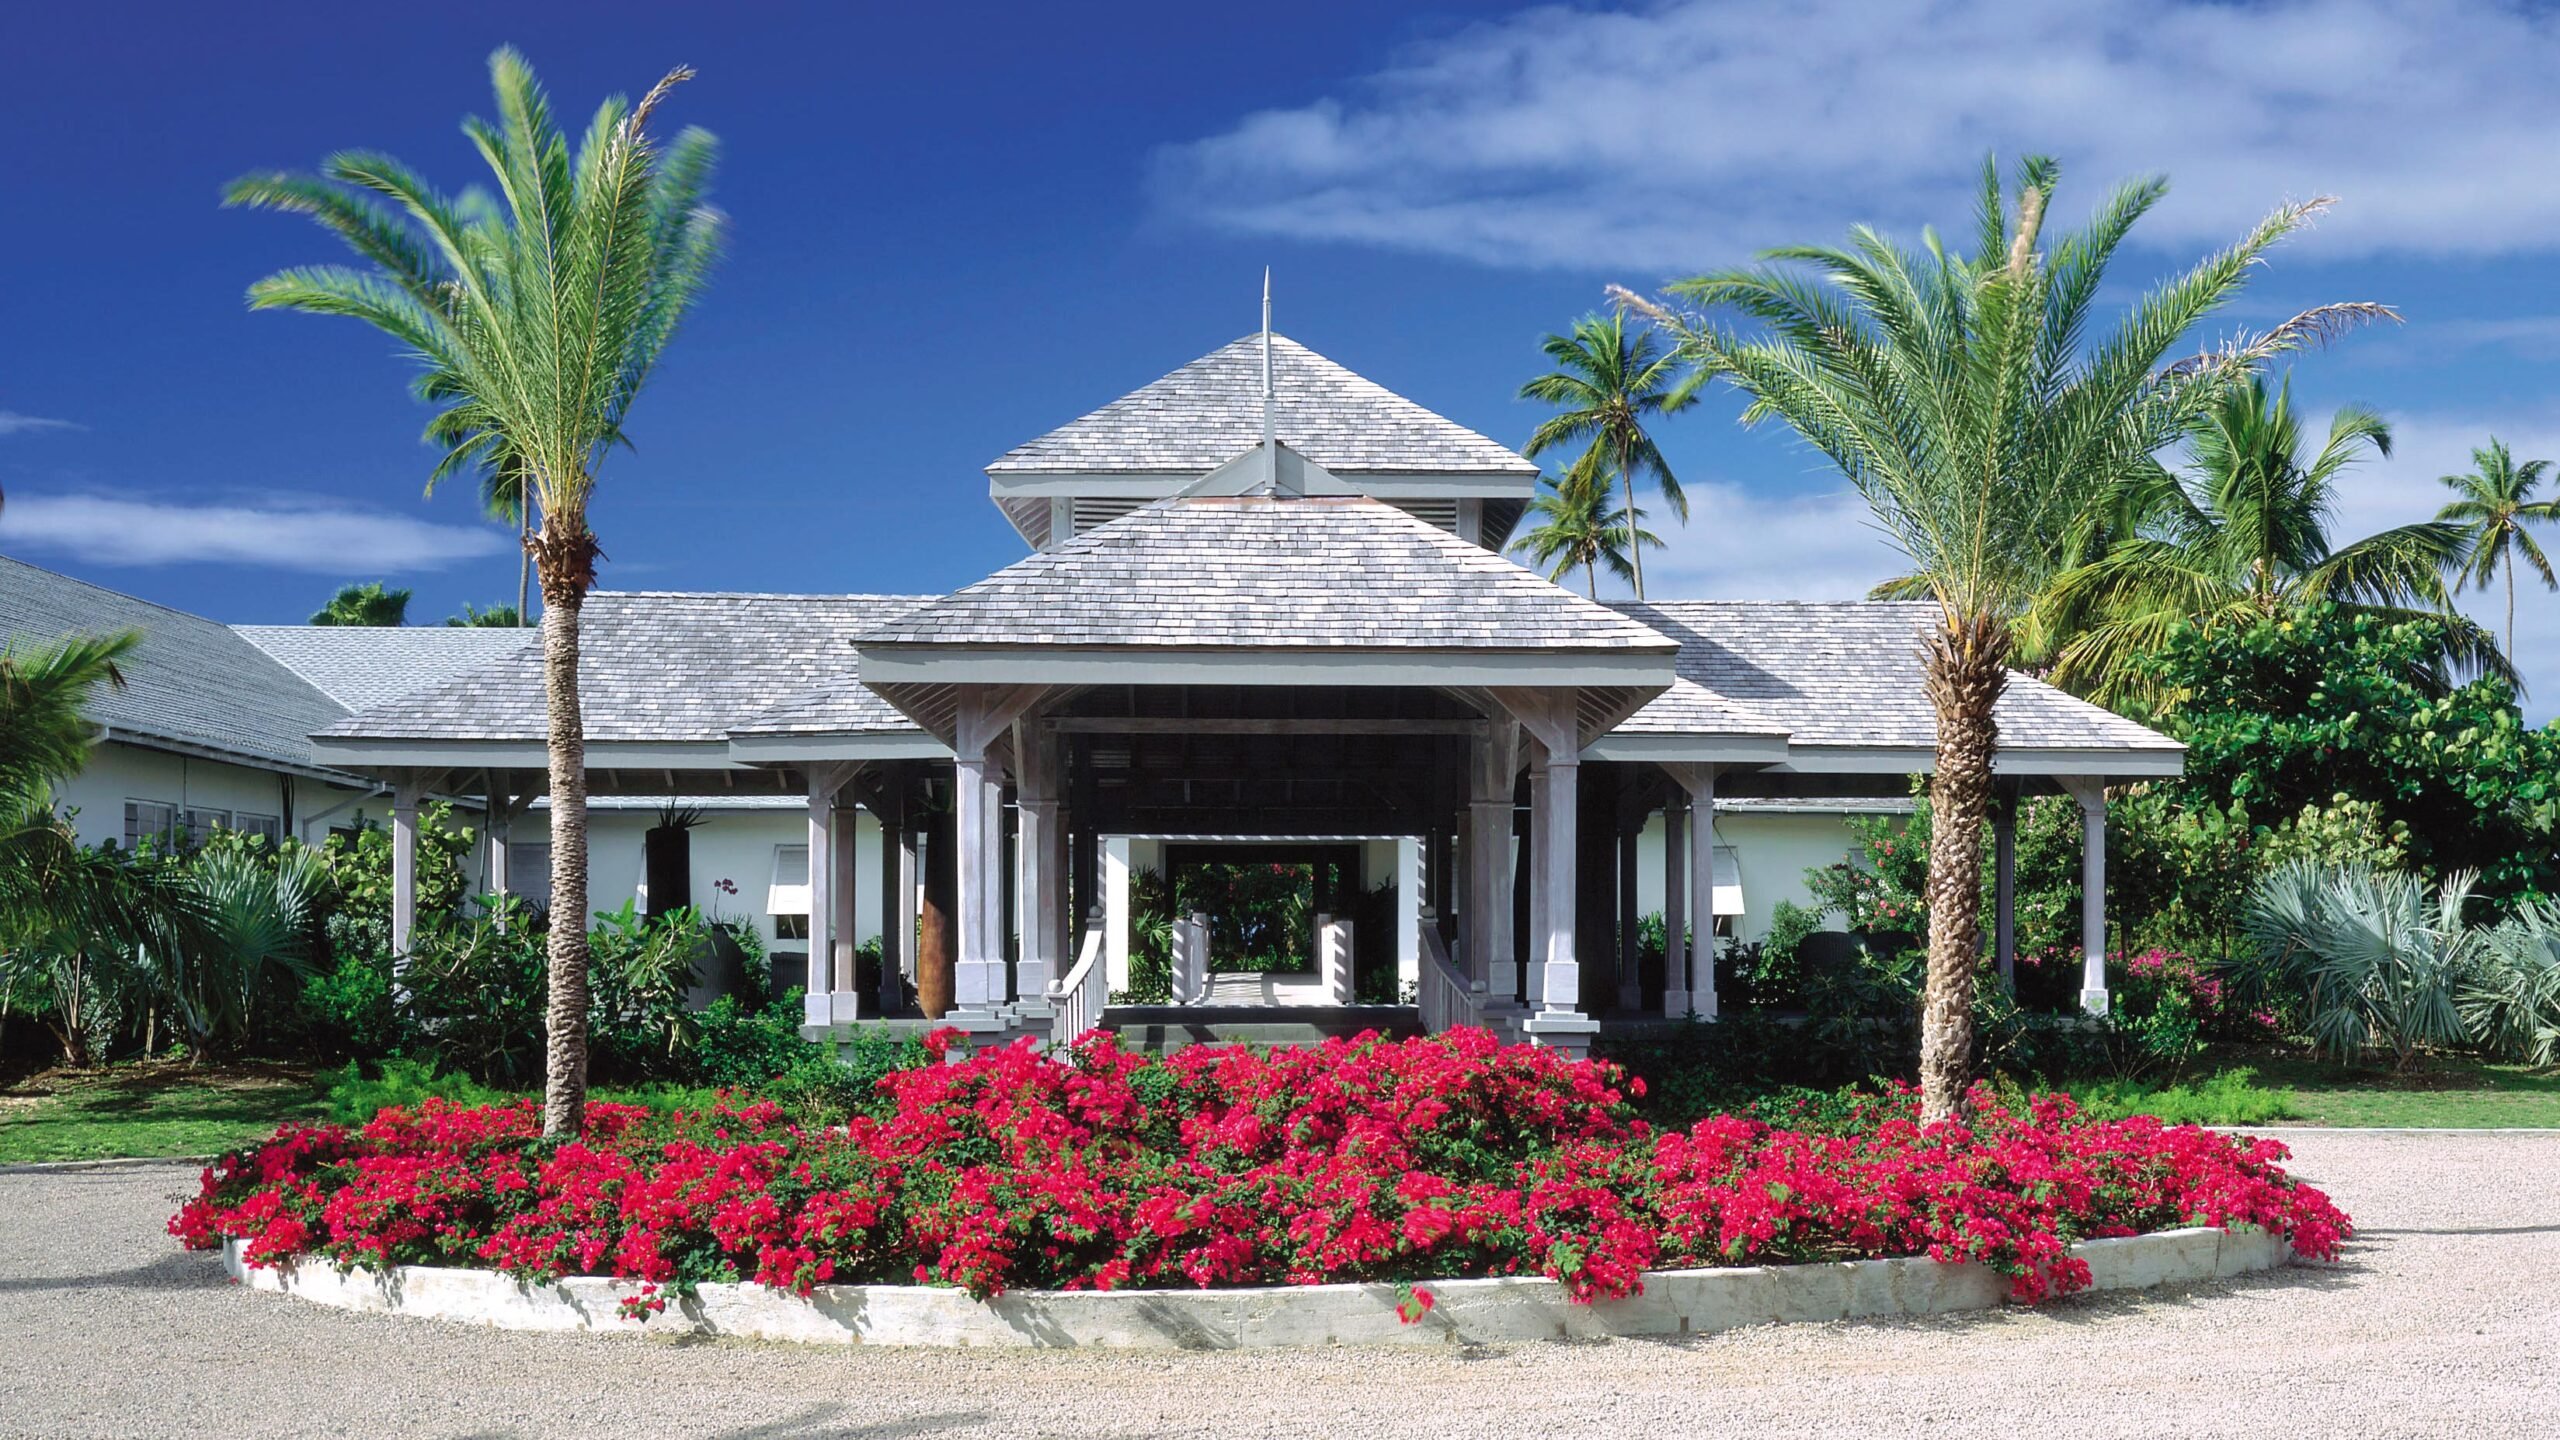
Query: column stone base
[[2093, 1002], [1570, 1031], [1675, 1004]]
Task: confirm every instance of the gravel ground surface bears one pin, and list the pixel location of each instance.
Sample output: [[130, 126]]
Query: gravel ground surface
[[2443, 1320]]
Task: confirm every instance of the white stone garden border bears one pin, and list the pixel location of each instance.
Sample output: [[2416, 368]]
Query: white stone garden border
[[1674, 1302]]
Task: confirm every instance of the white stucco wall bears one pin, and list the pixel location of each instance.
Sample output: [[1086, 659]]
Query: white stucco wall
[[118, 772], [1772, 850], [734, 845]]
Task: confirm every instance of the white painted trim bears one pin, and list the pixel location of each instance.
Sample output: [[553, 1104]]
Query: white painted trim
[[841, 745], [1768, 749], [1805, 759], [145, 740], [903, 664], [526, 754], [1156, 485]]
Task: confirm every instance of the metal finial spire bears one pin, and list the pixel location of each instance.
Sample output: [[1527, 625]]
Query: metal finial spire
[[1271, 426]]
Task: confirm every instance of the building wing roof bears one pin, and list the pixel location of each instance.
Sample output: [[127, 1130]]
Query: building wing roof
[[652, 666], [361, 666], [1210, 411], [1844, 673], [1252, 572], [191, 682], [841, 707]]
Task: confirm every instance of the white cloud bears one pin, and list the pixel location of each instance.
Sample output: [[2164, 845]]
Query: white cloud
[[279, 532], [13, 423], [1740, 544], [1689, 133]]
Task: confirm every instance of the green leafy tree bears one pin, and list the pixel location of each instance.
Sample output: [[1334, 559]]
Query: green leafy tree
[[1609, 382], [366, 604], [2494, 510], [1578, 528], [2244, 536], [496, 617], [1966, 398], [538, 316]]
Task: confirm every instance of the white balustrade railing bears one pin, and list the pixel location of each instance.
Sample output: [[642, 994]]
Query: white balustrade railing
[[1077, 1002], [1447, 997], [1191, 959]]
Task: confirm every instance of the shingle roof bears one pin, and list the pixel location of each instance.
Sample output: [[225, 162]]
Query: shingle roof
[[191, 681], [1844, 673], [361, 666], [1264, 572], [1210, 411], [653, 666], [843, 707]]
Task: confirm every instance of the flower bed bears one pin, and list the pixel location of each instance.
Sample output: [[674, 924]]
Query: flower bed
[[1364, 1160]]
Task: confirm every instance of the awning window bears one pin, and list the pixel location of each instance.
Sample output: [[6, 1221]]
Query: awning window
[[789, 893]]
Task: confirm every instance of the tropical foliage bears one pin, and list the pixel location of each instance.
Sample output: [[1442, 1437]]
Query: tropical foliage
[[2243, 536], [498, 617], [366, 604], [1973, 400], [2372, 958], [1609, 383], [1577, 527], [536, 317]]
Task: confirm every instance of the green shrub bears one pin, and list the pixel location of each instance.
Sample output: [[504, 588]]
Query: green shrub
[[351, 1096], [2367, 959], [2511, 999], [2229, 1097]]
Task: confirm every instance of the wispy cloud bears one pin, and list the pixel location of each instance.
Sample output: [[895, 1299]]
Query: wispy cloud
[[1691, 132], [13, 423], [279, 532]]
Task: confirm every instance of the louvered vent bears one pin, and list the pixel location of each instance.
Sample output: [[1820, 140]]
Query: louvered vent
[[1440, 513], [1092, 512]]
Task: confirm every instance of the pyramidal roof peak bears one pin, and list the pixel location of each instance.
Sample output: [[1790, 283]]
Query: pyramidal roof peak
[[1210, 411]]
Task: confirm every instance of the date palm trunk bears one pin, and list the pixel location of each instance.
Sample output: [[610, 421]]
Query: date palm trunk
[[1965, 665], [566, 557], [935, 972]]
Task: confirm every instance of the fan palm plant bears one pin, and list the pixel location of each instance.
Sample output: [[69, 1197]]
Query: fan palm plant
[[2243, 536], [538, 317], [2512, 1000], [1609, 382], [2374, 959], [1965, 398], [2495, 504], [1577, 529]]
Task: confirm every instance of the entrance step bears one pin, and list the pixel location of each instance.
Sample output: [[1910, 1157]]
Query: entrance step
[[1170, 1027]]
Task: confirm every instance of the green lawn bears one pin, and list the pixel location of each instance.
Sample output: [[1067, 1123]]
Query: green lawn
[[161, 1108], [2266, 1086]]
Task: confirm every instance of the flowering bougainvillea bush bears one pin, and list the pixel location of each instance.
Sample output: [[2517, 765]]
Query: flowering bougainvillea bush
[[1367, 1159]]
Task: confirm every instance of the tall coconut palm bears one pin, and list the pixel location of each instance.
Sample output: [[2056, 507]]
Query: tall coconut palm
[[1608, 382], [1578, 529], [2494, 507], [1965, 398], [2242, 536], [538, 318]]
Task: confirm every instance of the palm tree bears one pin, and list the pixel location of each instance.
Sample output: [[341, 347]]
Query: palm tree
[[1608, 382], [496, 617], [1577, 531], [2496, 505], [503, 494], [2243, 536], [1965, 400], [538, 317], [366, 604]]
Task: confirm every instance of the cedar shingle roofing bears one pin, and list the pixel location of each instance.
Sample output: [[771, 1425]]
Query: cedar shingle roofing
[[1210, 411], [190, 682], [361, 666], [1269, 572], [1844, 673], [653, 666]]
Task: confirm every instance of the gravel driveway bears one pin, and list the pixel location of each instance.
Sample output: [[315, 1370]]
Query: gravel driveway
[[2443, 1320]]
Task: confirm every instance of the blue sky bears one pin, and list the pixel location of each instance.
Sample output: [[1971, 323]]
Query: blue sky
[[957, 227]]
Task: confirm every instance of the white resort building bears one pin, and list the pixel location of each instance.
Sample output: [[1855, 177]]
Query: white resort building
[[1265, 614]]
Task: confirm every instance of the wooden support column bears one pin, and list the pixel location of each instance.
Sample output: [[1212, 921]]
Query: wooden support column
[[1675, 906], [897, 898], [1042, 843], [978, 979], [1700, 783], [2091, 792], [819, 1003], [1552, 719], [1494, 762], [405, 794], [844, 991]]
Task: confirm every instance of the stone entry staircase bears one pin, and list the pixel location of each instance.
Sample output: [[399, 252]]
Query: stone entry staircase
[[1170, 1027]]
